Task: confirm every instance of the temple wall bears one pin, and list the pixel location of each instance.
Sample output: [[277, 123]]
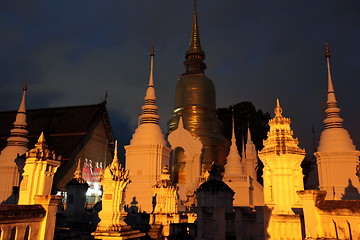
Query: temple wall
[[330, 219], [21, 221]]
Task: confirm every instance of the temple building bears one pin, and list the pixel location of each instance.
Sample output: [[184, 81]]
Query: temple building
[[74, 132], [189, 184]]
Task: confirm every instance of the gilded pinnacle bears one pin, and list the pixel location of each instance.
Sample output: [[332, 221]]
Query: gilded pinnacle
[[78, 173], [194, 45], [278, 109], [327, 52], [195, 55], [115, 159], [41, 141], [333, 119]]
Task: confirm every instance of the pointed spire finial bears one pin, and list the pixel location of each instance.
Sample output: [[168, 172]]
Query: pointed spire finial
[[333, 119], [327, 52], [22, 108], [194, 45], [331, 92], [19, 132], [278, 109], [233, 125], [181, 123], [243, 148], [165, 169], [41, 138], [248, 134], [152, 55], [41, 143], [195, 55], [78, 172], [149, 114], [115, 159], [25, 85]]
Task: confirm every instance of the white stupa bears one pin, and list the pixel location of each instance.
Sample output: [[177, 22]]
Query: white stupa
[[16, 145], [337, 157], [147, 153]]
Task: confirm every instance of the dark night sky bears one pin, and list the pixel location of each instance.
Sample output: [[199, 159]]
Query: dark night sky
[[72, 51]]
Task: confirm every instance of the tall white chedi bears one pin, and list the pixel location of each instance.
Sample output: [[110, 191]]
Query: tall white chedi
[[337, 157], [234, 170], [240, 173], [147, 152], [16, 145], [282, 172]]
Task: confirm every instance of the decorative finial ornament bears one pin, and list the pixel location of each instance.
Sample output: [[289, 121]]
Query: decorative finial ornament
[[233, 138], [195, 55], [19, 132], [41, 151], [149, 114], [181, 123], [327, 52], [332, 118], [41, 143], [165, 170], [330, 84], [152, 55], [78, 173], [25, 85], [278, 109], [115, 159]]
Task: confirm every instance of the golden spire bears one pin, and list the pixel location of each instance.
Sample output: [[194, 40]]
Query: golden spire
[[195, 55], [78, 173], [115, 159], [41, 141], [333, 119], [194, 44], [278, 109]]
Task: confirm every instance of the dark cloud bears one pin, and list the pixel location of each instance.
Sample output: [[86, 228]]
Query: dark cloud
[[72, 51]]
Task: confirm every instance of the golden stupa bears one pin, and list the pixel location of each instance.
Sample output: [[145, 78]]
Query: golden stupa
[[195, 102]]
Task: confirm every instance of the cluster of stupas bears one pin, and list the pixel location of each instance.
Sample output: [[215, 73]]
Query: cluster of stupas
[[195, 183]]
